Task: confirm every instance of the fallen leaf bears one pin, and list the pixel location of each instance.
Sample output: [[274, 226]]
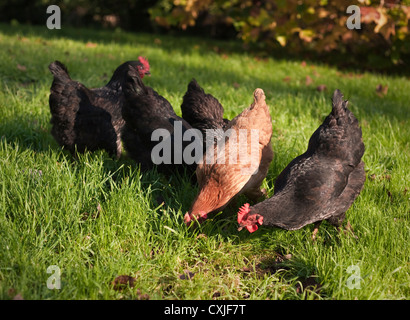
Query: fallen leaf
[[390, 195], [84, 216], [308, 284], [201, 235], [308, 80], [91, 44], [321, 87], [303, 63], [11, 292], [286, 79], [246, 269], [381, 90], [21, 67], [187, 275], [123, 281], [18, 297], [142, 296]]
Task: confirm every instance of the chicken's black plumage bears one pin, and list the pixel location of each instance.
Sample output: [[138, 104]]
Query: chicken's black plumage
[[201, 110], [88, 119], [144, 112], [320, 184]]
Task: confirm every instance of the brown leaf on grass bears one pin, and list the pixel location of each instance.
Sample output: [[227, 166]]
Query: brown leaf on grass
[[12, 293], [303, 63], [85, 215], [390, 195], [321, 87], [308, 80], [308, 284], [381, 90], [122, 282], [18, 297], [91, 44], [21, 67], [286, 79], [187, 275], [142, 296]]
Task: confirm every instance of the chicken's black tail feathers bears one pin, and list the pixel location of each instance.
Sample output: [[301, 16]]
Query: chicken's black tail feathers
[[59, 70], [339, 105], [194, 86]]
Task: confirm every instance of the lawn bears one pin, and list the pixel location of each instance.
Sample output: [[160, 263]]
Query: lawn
[[95, 218]]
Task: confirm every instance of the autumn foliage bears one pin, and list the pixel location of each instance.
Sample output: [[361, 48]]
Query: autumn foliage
[[309, 27]]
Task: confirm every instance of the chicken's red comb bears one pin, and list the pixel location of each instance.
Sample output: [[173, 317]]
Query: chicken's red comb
[[203, 215], [243, 212], [144, 62]]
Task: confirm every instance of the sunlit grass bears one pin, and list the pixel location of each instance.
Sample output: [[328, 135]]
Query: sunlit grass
[[98, 218]]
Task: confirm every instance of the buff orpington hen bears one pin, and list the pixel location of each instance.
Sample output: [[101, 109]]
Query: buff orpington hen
[[237, 163], [322, 183]]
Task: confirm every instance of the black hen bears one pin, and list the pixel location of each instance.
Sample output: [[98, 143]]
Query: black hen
[[201, 110], [148, 118], [320, 184], [89, 119]]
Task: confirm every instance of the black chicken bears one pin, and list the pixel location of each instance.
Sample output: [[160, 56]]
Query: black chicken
[[202, 111], [148, 117], [320, 184], [89, 119]]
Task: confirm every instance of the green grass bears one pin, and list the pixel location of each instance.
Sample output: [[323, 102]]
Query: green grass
[[97, 218]]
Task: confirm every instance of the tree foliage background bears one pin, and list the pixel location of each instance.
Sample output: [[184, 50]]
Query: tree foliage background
[[310, 28]]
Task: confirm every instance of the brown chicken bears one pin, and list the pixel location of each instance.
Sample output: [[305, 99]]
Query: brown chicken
[[235, 166]]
